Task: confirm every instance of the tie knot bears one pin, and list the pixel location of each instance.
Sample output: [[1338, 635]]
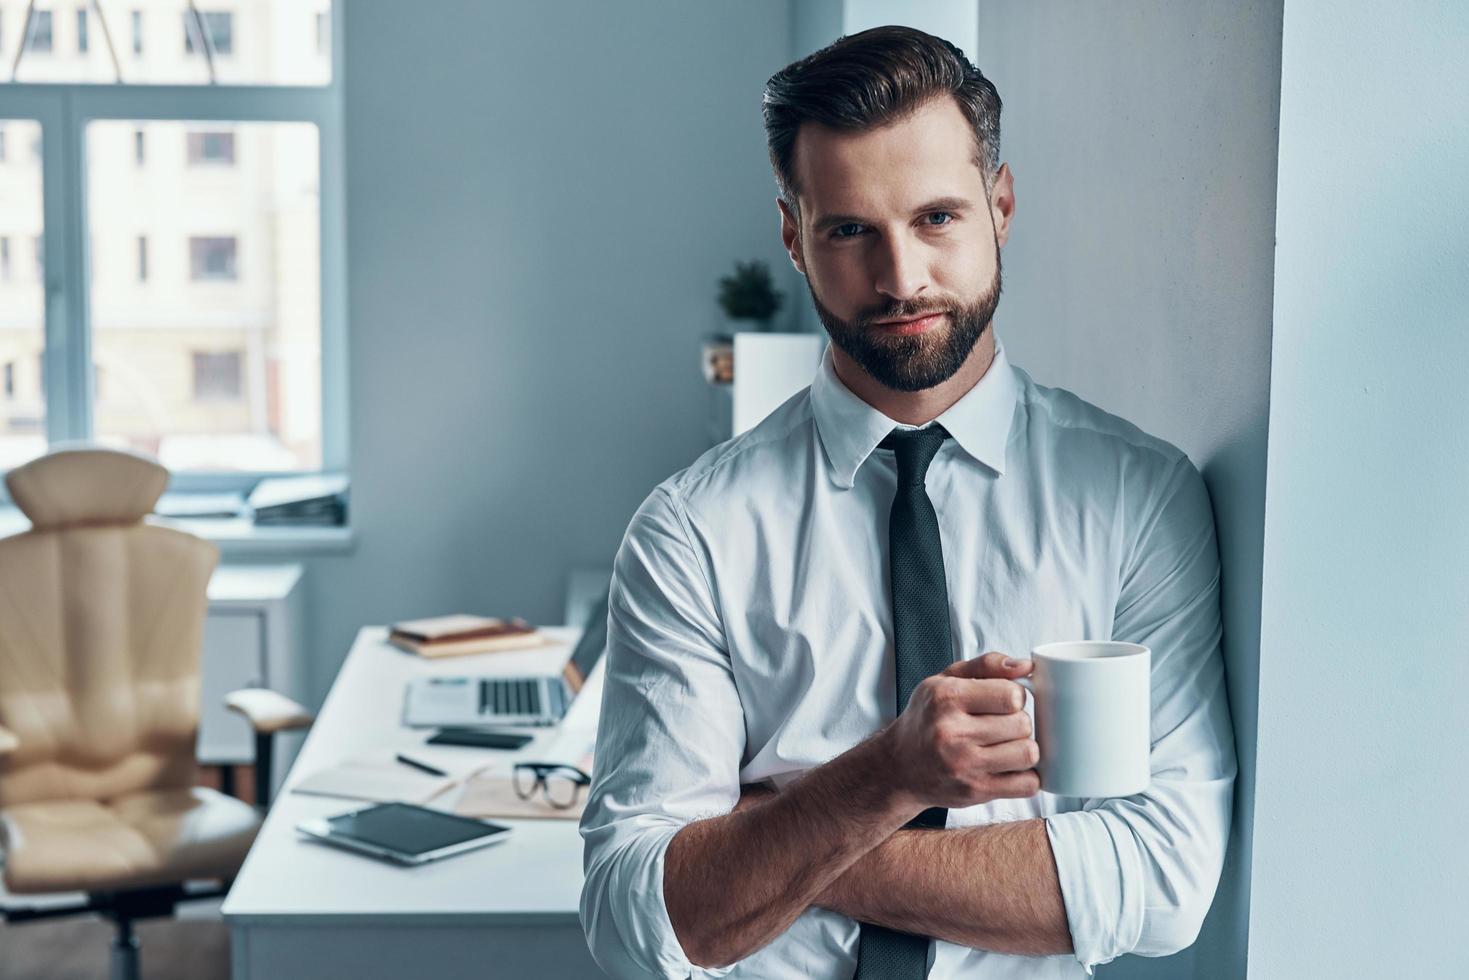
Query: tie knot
[[915, 449]]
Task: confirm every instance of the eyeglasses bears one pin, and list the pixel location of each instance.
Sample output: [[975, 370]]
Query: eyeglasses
[[560, 784]]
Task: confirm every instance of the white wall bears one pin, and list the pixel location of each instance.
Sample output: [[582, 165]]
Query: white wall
[[541, 198], [1138, 274], [1361, 853]]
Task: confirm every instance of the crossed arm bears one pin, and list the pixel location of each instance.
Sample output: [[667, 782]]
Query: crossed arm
[[832, 840], [991, 887]]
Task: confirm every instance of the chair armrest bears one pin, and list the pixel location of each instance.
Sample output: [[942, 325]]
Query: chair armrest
[[8, 742], [268, 711]]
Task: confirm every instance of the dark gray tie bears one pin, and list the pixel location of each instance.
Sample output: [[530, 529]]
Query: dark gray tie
[[922, 647]]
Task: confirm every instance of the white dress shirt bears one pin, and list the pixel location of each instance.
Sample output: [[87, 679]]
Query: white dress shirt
[[750, 638]]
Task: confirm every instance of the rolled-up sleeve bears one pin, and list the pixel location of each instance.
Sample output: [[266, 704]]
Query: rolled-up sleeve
[[1138, 873], [669, 741]]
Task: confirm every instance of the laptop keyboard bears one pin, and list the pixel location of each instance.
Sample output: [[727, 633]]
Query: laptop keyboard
[[510, 697]]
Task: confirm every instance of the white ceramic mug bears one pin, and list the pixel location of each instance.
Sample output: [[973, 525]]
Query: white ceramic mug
[[1093, 713]]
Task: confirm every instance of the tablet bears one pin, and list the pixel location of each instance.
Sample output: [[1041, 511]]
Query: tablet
[[404, 833]]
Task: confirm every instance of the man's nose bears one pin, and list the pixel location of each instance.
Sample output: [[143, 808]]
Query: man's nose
[[901, 268]]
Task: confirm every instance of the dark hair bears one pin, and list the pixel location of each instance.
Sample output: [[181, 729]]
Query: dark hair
[[869, 79]]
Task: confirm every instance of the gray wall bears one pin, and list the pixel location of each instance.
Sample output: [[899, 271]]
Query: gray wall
[[540, 200], [1360, 849], [1138, 274]]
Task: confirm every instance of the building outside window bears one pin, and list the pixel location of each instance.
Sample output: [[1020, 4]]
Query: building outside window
[[211, 148], [220, 341], [10, 381], [217, 376], [220, 25], [2, 137], [82, 30], [212, 258], [39, 38]]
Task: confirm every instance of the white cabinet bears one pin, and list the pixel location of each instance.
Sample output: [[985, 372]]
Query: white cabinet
[[768, 369], [252, 636]]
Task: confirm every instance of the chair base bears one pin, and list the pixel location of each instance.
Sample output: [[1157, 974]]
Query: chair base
[[122, 909]]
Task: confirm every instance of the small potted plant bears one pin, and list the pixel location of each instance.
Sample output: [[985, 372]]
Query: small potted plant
[[749, 294]]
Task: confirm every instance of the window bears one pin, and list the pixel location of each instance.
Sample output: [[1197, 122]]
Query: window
[[22, 302], [211, 148], [161, 42], [217, 376], [215, 214], [39, 37], [220, 25], [2, 144], [212, 258]]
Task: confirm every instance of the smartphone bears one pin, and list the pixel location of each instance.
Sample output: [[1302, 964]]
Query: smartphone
[[479, 738]]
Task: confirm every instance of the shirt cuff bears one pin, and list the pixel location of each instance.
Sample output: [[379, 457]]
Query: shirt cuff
[[634, 900], [1100, 870]]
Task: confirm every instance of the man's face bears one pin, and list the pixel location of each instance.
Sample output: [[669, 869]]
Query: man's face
[[895, 223]]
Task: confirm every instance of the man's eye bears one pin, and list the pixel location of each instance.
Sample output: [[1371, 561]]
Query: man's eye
[[945, 214], [837, 232]]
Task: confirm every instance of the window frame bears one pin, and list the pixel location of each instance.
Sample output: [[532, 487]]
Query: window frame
[[64, 111]]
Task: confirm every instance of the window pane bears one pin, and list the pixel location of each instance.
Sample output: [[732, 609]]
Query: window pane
[[256, 42], [206, 317], [22, 299], [210, 148]]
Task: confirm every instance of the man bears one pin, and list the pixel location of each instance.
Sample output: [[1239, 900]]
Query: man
[[923, 498]]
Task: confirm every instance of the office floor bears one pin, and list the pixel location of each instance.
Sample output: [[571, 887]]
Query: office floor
[[193, 946]]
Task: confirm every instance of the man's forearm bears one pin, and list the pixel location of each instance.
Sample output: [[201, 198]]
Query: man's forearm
[[993, 887], [789, 851]]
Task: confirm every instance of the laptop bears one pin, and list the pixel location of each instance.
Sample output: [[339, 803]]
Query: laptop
[[538, 701]]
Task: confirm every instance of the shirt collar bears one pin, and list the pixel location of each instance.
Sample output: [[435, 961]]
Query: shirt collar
[[850, 429]]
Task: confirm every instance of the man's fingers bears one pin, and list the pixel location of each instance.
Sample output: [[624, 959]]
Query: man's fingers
[[1017, 755], [991, 664], [992, 729], [985, 696], [1016, 785]]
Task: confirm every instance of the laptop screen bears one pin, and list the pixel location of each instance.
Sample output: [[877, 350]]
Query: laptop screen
[[590, 647]]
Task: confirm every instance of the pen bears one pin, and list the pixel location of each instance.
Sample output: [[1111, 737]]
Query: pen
[[425, 767]]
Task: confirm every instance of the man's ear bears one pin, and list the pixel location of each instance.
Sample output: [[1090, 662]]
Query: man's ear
[[790, 236], [1002, 202]]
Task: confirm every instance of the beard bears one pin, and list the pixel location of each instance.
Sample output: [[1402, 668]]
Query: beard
[[915, 362]]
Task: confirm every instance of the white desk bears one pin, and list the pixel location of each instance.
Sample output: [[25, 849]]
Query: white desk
[[302, 909]]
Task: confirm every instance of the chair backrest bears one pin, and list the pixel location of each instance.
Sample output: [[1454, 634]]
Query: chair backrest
[[101, 631]]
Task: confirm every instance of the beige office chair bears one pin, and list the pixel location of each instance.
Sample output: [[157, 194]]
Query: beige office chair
[[101, 623]]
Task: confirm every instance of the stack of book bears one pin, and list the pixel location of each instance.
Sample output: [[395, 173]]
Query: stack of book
[[446, 636]]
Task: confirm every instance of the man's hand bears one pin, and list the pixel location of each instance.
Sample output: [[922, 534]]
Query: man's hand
[[964, 738]]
